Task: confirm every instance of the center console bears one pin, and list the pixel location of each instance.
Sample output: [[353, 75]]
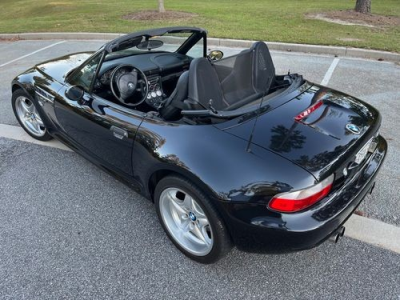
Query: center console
[[155, 93]]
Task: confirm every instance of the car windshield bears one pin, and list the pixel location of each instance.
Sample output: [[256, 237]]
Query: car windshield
[[169, 42]]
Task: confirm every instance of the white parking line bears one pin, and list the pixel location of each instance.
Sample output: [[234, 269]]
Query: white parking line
[[29, 54], [17, 133], [367, 230], [329, 73]]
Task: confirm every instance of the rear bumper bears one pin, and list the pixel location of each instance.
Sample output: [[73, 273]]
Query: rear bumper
[[256, 229]]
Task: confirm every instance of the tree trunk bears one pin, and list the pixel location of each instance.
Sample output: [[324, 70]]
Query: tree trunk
[[161, 8], [363, 6]]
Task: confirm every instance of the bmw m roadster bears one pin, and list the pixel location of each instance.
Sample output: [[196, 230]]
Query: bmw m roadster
[[230, 153]]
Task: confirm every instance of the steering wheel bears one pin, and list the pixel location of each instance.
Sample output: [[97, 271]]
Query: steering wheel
[[128, 81]]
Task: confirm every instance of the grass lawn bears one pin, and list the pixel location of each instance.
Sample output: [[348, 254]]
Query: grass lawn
[[269, 20]]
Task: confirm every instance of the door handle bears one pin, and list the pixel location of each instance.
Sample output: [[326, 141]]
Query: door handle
[[119, 133]]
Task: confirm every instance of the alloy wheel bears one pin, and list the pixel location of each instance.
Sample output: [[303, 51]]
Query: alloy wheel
[[186, 221], [29, 116]]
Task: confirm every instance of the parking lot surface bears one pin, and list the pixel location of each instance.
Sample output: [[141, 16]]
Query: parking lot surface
[[69, 230]]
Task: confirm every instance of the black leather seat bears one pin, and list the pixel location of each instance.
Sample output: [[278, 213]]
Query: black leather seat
[[225, 84], [173, 105]]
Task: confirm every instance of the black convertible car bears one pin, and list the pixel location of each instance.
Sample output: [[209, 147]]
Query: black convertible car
[[230, 152]]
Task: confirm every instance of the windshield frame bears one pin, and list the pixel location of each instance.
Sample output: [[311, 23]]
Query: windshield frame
[[132, 39], [75, 71]]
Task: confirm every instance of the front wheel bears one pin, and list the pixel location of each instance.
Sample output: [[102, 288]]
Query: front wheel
[[190, 220], [28, 116]]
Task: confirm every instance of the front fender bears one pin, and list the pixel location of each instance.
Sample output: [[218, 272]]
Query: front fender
[[25, 82], [43, 90]]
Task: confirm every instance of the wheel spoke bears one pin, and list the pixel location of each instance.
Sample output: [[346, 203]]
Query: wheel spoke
[[37, 117], [185, 226], [197, 232], [188, 202], [197, 209], [175, 205], [36, 126], [27, 108], [203, 221], [29, 123], [39, 120]]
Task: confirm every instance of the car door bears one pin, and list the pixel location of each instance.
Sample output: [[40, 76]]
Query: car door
[[102, 129]]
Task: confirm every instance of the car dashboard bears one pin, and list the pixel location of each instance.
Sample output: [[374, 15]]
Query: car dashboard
[[162, 70]]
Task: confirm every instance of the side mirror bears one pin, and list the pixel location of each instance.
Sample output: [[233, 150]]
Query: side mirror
[[75, 93], [215, 55]]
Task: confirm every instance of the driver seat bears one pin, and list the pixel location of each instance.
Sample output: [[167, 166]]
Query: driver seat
[[174, 104]]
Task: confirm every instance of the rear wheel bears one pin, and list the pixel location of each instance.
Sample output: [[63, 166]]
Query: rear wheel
[[190, 220], [28, 116]]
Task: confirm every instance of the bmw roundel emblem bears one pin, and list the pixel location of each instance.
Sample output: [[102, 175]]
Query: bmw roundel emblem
[[353, 128], [192, 216]]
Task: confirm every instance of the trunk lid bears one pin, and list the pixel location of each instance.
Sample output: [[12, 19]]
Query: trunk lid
[[320, 140]]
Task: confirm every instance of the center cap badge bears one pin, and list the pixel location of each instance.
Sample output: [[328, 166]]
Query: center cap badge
[[192, 216], [353, 128]]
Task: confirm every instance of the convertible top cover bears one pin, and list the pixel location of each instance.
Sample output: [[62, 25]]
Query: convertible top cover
[[133, 39]]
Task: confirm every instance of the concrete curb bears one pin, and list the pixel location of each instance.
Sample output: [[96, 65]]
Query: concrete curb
[[373, 232], [315, 49], [17, 133]]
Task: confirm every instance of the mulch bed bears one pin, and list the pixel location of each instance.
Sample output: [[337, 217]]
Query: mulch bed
[[354, 17], [9, 40], [154, 15]]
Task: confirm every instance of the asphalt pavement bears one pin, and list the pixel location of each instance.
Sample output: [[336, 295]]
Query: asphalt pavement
[[70, 231]]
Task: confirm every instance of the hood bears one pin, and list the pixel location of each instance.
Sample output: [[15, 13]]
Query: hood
[[318, 138], [58, 68]]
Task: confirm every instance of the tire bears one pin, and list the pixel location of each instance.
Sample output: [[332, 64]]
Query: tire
[[190, 220], [27, 113]]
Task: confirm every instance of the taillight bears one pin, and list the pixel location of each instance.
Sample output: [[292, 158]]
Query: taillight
[[308, 111], [299, 200]]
